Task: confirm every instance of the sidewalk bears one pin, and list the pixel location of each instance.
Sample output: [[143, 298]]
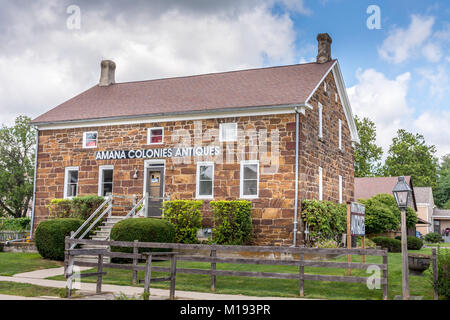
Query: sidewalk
[[38, 278]]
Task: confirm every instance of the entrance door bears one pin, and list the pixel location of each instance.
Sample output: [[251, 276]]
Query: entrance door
[[155, 189]]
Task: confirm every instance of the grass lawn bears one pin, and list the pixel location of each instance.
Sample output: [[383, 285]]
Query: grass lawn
[[27, 290], [419, 286], [12, 263], [442, 244]]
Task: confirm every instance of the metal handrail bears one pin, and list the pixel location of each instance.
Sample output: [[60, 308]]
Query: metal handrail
[[132, 212], [108, 199]]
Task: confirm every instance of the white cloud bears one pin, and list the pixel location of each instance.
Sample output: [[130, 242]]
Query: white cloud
[[402, 44], [436, 130], [42, 63], [432, 52], [383, 101], [437, 80]]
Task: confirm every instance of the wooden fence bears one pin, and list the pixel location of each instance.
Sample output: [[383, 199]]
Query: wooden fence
[[213, 259], [7, 235]]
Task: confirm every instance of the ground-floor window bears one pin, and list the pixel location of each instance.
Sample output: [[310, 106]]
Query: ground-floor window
[[205, 180], [249, 179], [105, 180], [71, 182]]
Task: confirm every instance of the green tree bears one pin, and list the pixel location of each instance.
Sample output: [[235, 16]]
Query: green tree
[[442, 191], [367, 154], [16, 167], [409, 155]]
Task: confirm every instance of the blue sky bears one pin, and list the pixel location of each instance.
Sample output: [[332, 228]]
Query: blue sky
[[388, 52], [397, 75]]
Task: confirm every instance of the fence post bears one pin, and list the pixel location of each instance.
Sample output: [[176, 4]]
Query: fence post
[[148, 274], [66, 252], [213, 268], [135, 261], [435, 274], [385, 275], [302, 275], [99, 270], [173, 271]]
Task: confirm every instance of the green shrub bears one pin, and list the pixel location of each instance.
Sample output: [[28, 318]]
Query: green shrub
[[232, 222], [379, 216], [393, 245], [77, 207], [433, 237], [413, 243], [185, 215], [50, 236], [60, 208], [84, 206], [15, 224], [326, 220], [443, 266], [143, 230], [368, 243]]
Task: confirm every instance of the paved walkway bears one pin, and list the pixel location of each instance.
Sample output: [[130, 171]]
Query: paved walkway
[[38, 278]]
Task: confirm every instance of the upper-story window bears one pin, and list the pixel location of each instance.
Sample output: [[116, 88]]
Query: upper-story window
[[340, 134], [324, 86], [155, 136], [249, 179], [340, 189], [320, 110], [90, 139], [228, 132], [71, 182]]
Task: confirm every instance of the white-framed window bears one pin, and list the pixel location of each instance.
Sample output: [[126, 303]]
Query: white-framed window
[[155, 135], [71, 182], [249, 184], [324, 86], [320, 109], [336, 97], [90, 139], [320, 184], [205, 180], [105, 180], [228, 132], [340, 134], [340, 189]]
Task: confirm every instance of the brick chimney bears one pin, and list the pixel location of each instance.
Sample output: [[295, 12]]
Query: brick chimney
[[107, 75], [324, 48]]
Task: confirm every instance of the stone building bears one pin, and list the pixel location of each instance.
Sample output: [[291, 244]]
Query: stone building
[[273, 136]]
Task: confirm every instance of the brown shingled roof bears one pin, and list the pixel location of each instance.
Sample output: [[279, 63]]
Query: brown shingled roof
[[237, 89], [368, 187]]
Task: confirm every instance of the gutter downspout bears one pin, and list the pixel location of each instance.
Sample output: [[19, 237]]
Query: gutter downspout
[[296, 175], [34, 181]]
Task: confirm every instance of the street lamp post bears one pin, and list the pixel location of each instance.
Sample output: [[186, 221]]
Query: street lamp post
[[402, 194]]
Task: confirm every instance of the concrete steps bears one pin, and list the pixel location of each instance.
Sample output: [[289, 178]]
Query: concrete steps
[[101, 234]]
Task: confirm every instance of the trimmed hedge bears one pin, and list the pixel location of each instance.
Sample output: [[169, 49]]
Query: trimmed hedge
[[393, 245], [433, 237], [413, 243], [50, 236], [77, 207], [143, 230], [232, 222], [185, 215]]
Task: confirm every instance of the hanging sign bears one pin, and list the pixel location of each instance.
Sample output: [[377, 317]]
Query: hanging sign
[[156, 153], [357, 220]]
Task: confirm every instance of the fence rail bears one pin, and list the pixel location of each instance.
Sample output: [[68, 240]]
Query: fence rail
[[7, 235], [299, 262]]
